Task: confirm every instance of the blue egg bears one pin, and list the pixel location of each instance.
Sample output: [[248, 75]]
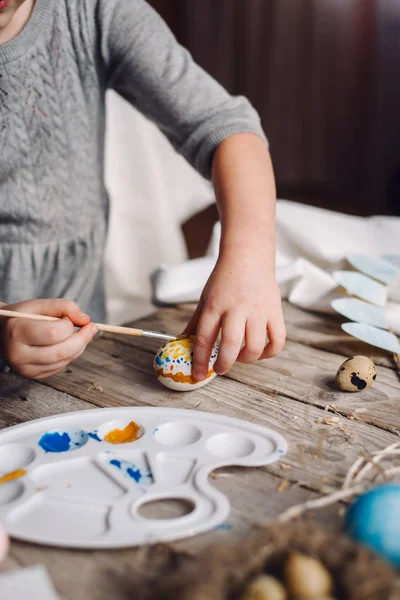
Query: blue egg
[[374, 520]]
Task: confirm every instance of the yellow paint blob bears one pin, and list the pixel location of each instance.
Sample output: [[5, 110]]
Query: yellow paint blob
[[122, 436], [11, 476]]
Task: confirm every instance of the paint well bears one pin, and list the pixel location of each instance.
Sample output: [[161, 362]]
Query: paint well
[[63, 441], [130, 433], [139, 473], [12, 476], [14, 457]]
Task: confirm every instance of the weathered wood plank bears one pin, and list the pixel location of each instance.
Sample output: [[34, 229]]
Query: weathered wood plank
[[83, 575], [287, 393], [306, 373], [22, 400], [305, 327], [316, 450]]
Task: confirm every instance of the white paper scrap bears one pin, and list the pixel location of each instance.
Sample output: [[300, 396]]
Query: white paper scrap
[[375, 267], [373, 336], [360, 311], [33, 583], [357, 284]]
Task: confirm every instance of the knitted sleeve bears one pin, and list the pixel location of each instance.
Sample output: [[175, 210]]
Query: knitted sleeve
[[144, 63]]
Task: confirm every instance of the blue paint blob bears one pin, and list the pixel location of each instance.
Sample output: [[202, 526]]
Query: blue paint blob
[[374, 520], [223, 527], [132, 471], [55, 442], [134, 474], [94, 436]]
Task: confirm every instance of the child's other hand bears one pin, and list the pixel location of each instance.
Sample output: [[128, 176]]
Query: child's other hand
[[39, 349], [4, 544], [244, 300]]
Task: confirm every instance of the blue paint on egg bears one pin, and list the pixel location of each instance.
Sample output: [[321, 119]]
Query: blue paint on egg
[[94, 436], [55, 442], [116, 463], [374, 520]]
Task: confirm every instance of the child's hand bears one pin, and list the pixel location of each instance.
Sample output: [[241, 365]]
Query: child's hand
[[243, 299], [39, 349], [4, 544]]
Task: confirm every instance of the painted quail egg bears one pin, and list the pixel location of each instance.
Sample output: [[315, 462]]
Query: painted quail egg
[[265, 587], [374, 520], [356, 374], [306, 577], [173, 365]]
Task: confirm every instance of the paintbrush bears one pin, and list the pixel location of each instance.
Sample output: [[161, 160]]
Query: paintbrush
[[101, 326]]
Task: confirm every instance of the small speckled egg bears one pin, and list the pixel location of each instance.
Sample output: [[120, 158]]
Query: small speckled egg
[[265, 588], [356, 374], [306, 577], [173, 365], [374, 520]]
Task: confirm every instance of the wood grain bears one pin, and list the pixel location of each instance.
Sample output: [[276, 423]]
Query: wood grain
[[293, 393]]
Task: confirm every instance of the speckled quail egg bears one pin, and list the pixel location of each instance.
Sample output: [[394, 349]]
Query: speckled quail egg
[[173, 365], [265, 587], [306, 577], [356, 374]]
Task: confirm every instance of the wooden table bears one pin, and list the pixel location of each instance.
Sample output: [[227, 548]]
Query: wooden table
[[290, 393]]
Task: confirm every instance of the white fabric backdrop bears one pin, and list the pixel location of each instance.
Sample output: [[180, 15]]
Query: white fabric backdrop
[[153, 190]]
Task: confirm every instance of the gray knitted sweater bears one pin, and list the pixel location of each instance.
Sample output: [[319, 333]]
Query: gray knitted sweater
[[53, 79]]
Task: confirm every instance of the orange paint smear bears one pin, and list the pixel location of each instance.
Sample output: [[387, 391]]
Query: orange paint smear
[[123, 436], [180, 377], [12, 476]]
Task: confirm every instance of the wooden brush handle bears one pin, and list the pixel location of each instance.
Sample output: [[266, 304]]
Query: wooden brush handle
[[101, 326]]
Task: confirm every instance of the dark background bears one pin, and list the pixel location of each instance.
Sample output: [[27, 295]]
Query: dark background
[[325, 78]]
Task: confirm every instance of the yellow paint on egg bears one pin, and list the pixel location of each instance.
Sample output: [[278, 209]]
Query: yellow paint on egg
[[180, 377], [123, 436], [12, 476], [173, 365]]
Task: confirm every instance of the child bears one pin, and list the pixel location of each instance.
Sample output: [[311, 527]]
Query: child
[[57, 58]]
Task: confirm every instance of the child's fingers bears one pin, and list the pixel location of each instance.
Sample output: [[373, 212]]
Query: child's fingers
[[4, 544], [256, 337], [60, 307], [276, 336], [65, 350], [191, 327], [233, 328], [43, 371], [42, 333], [206, 335], [54, 307]]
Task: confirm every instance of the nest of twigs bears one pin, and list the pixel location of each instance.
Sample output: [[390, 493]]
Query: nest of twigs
[[223, 571]]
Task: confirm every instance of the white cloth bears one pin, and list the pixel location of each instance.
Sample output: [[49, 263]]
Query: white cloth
[[153, 190], [32, 582], [312, 243]]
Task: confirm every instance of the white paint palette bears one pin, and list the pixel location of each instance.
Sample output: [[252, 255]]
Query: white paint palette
[[65, 481]]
